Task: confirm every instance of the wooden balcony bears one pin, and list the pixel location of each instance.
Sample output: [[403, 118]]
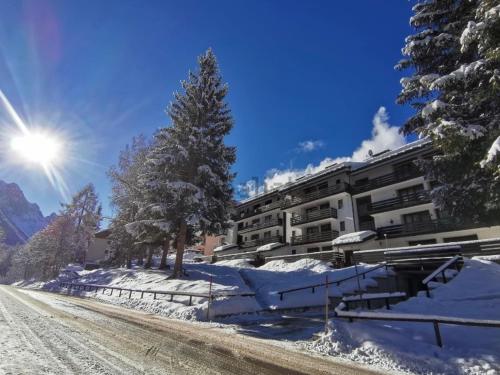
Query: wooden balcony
[[263, 225], [424, 227], [257, 211], [326, 213], [314, 237], [407, 200], [261, 241], [298, 198], [385, 180]]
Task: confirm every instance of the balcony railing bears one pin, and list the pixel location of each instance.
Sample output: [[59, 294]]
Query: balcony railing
[[385, 180], [407, 200], [430, 226], [261, 241], [326, 213], [258, 210], [263, 225], [321, 193], [367, 225], [314, 237]]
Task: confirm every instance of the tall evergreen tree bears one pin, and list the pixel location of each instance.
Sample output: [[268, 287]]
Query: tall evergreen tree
[[188, 179], [455, 89], [126, 193]]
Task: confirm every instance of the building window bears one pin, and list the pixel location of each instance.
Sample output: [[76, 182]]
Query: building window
[[268, 218], [294, 252], [409, 191], [293, 233], [268, 202], [327, 248], [326, 227], [267, 234], [472, 237], [254, 237], [313, 249], [312, 230], [246, 238], [338, 181], [429, 241], [342, 226], [255, 221], [417, 217], [324, 206], [277, 232], [340, 204]]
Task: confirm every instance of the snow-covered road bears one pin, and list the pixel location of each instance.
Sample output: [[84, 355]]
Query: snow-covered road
[[43, 333]]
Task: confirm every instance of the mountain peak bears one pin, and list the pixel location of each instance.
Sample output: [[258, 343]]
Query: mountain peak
[[19, 218]]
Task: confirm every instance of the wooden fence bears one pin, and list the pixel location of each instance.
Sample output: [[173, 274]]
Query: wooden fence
[[155, 293], [434, 319]]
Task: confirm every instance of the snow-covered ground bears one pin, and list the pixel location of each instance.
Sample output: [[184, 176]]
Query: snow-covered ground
[[389, 346], [231, 276], [411, 347]]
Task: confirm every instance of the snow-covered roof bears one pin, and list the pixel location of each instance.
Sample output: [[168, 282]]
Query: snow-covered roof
[[401, 150], [355, 237], [225, 247], [269, 246], [338, 166]]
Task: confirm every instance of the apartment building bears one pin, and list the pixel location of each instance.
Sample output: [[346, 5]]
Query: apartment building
[[379, 203]]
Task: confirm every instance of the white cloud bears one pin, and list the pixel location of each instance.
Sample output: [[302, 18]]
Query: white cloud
[[308, 146], [383, 137]]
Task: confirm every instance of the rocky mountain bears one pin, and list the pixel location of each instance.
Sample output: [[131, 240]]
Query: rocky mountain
[[19, 219]]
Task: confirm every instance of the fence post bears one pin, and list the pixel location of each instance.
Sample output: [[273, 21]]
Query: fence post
[[142, 294], [326, 304], [209, 298], [154, 295], [112, 291], [438, 334], [190, 300], [281, 296], [130, 294], [120, 294]]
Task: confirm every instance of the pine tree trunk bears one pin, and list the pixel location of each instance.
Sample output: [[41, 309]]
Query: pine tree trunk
[[140, 259], [129, 261], [149, 259], [166, 247], [181, 241]]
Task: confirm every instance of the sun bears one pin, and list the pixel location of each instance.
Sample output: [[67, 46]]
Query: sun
[[37, 147]]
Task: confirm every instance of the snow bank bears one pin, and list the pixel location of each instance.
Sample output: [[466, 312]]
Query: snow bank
[[225, 279], [279, 275], [411, 347]]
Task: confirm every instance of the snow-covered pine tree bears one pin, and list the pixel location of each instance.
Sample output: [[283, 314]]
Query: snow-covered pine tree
[[188, 179], [455, 89], [126, 193], [85, 210]]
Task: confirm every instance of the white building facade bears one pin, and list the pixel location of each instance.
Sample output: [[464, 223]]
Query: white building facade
[[385, 194]]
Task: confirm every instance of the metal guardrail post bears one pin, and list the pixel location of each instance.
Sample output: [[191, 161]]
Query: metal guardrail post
[[438, 334]]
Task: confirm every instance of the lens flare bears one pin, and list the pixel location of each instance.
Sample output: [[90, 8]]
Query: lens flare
[[37, 148], [32, 145]]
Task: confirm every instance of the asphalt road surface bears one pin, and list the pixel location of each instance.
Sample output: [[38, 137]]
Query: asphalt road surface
[[44, 333]]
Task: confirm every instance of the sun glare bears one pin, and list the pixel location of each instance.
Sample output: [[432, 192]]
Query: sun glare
[[38, 148]]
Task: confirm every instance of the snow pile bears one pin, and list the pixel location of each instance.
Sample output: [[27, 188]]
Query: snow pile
[[225, 279], [411, 347], [354, 237], [279, 275]]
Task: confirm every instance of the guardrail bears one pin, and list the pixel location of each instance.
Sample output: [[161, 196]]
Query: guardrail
[[337, 282], [155, 293], [434, 319], [440, 270]]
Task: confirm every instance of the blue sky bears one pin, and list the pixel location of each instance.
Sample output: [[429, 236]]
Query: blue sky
[[99, 72]]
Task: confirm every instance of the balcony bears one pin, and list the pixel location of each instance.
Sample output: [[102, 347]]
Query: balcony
[[261, 241], [326, 213], [321, 193], [259, 210], [314, 237], [406, 200], [385, 180], [263, 225], [424, 227]]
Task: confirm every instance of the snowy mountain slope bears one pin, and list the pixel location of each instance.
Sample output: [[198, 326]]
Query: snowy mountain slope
[[19, 218]]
